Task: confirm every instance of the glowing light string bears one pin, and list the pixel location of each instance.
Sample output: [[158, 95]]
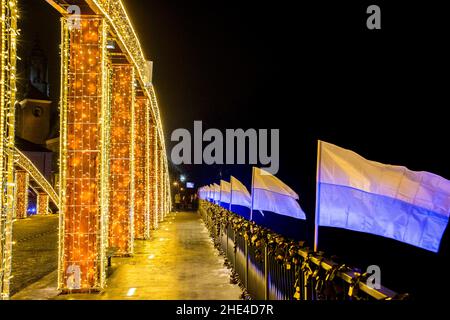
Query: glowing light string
[[84, 156], [8, 48]]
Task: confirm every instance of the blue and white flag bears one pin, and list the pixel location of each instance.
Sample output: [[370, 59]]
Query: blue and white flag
[[385, 200], [216, 195], [271, 194], [211, 193], [225, 191], [201, 193], [239, 194], [205, 192]]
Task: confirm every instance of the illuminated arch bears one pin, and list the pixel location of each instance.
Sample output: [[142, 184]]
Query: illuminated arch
[[113, 23]]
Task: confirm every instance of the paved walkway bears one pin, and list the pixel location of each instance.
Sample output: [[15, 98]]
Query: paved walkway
[[179, 262], [35, 252]]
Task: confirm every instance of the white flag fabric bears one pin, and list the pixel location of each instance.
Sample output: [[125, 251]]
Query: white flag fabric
[[206, 192], [272, 194], [390, 201], [239, 194], [201, 193], [225, 191], [211, 192], [216, 192]]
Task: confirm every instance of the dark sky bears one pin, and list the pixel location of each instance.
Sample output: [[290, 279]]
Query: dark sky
[[315, 72]]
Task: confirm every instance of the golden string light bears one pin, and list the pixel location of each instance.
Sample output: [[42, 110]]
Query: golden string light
[[121, 160], [21, 197], [8, 48], [141, 213], [84, 193], [168, 194], [83, 156], [27, 165], [42, 204], [166, 203], [115, 13], [148, 168], [161, 182], [153, 168]]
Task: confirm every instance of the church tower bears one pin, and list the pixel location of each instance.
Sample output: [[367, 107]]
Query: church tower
[[33, 114], [38, 65]]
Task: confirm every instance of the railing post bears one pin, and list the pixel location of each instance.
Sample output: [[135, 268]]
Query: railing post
[[305, 286], [246, 264], [266, 273], [234, 251], [226, 252]]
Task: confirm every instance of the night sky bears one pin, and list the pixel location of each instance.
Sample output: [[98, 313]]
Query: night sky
[[315, 72]]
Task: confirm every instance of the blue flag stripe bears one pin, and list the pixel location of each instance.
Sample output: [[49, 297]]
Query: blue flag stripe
[[354, 209]]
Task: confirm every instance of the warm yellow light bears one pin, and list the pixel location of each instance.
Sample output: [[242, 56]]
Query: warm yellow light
[[121, 208], [84, 150], [42, 204], [153, 173], [83, 156], [21, 197], [131, 292], [8, 48], [141, 208]]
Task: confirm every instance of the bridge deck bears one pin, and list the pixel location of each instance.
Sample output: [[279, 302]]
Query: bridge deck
[[179, 262], [35, 252]]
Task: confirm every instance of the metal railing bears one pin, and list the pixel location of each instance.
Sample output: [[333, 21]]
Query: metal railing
[[270, 267]]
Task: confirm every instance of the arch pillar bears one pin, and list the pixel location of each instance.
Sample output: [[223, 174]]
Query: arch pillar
[[42, 204], [141, 141], [21, 203], [8, 58], [121, 179], [83, 156]]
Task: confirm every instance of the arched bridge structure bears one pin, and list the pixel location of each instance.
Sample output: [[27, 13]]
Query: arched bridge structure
[[28, 176], [113, 182]]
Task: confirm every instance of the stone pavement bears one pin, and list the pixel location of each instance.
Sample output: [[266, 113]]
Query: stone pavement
[[35, 252], [179, 262]]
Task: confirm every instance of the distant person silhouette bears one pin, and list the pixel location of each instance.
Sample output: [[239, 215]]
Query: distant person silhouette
[[177, 202]]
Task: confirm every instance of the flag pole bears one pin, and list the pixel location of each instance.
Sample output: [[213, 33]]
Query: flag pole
[[317, 210], [253, 180]]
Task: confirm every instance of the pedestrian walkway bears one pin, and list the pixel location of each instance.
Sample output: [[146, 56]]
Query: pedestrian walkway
[[35, 250], [179, 262]]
